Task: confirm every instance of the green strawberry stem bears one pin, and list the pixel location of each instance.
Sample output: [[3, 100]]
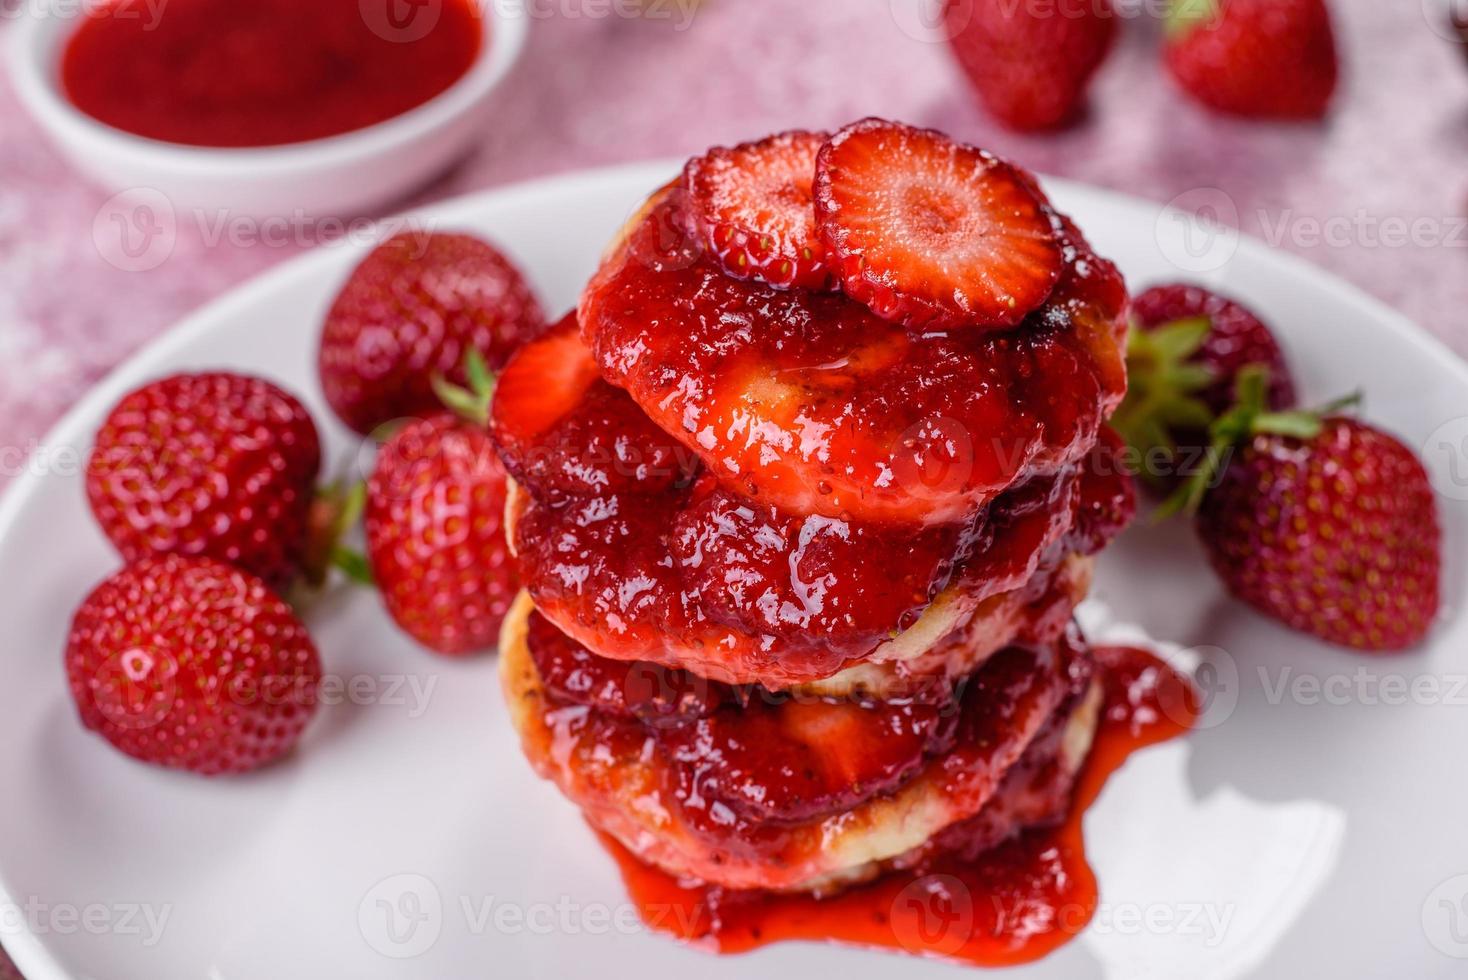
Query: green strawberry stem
[[470, 403], [336, 510], [1164, 386], [353, 564], [1248, 418]]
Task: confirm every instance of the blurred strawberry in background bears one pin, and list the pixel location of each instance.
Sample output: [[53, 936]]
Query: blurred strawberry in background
[[1030, 63], [1261, 58]]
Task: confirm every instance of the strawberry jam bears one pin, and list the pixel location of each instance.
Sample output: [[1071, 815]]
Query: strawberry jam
[[763, 779], [563, 431], [971, 899], [248, 73], [742, 593], [810, 402]]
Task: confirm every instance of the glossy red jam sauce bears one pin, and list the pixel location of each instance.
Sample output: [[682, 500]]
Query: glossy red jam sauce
[[810, 402], [744, 594], [638, 553], [755, 783], [250, 73], [1012, 903]]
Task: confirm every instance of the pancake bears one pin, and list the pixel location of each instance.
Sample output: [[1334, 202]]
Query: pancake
[[807, 400], [618, 772]]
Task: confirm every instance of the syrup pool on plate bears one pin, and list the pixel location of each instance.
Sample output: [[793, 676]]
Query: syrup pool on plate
[[254, 73], [1013, 904]]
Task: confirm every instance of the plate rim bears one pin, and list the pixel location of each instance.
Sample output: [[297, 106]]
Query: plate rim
[[27, 949]]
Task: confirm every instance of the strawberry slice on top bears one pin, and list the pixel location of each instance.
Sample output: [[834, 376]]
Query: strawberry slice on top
[[753, 208], [931, 233]]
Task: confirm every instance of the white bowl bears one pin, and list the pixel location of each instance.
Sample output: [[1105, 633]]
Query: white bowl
[[338, 175]]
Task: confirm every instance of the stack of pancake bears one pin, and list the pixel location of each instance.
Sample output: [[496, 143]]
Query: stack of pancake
[[799, 582]]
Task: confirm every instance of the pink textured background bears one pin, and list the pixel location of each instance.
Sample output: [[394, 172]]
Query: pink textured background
[[593, 91]]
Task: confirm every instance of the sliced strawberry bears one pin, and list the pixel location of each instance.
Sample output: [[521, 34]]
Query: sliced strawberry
[[794, 760], [754, 210], [543, 382], [562, 430], [932, 233]]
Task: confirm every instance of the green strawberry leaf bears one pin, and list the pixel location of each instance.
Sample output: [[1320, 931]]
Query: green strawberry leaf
[[471, 403], [1185, 16], [1179, 340]]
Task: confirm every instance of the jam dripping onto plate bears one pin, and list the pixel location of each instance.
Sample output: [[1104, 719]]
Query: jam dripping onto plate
[[1015, 903]]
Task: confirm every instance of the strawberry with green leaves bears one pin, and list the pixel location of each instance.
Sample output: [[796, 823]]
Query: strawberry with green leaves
[[1319, 521], [1273, 59], [1185, 353], [434, 519]]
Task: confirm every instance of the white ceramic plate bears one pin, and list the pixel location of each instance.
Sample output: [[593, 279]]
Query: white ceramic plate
[[1313, 827]]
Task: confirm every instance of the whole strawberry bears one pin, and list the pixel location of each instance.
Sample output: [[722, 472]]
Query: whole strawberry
[[1030, 64], [192, 664], [1234, 338], [220, 465], [414, 308], [435, 527], [1259, 58], [1185, 353], [1329, 526]]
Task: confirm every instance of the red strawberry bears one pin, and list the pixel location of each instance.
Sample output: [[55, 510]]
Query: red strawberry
[[414, 308], [561, 429], [1262, 58], [435, 531], [208, 464], [1185, 353], [1030, 64], [752, 206], [542, 384], [930, 233], [192, 664], [1234, 339], [1329, 526]]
